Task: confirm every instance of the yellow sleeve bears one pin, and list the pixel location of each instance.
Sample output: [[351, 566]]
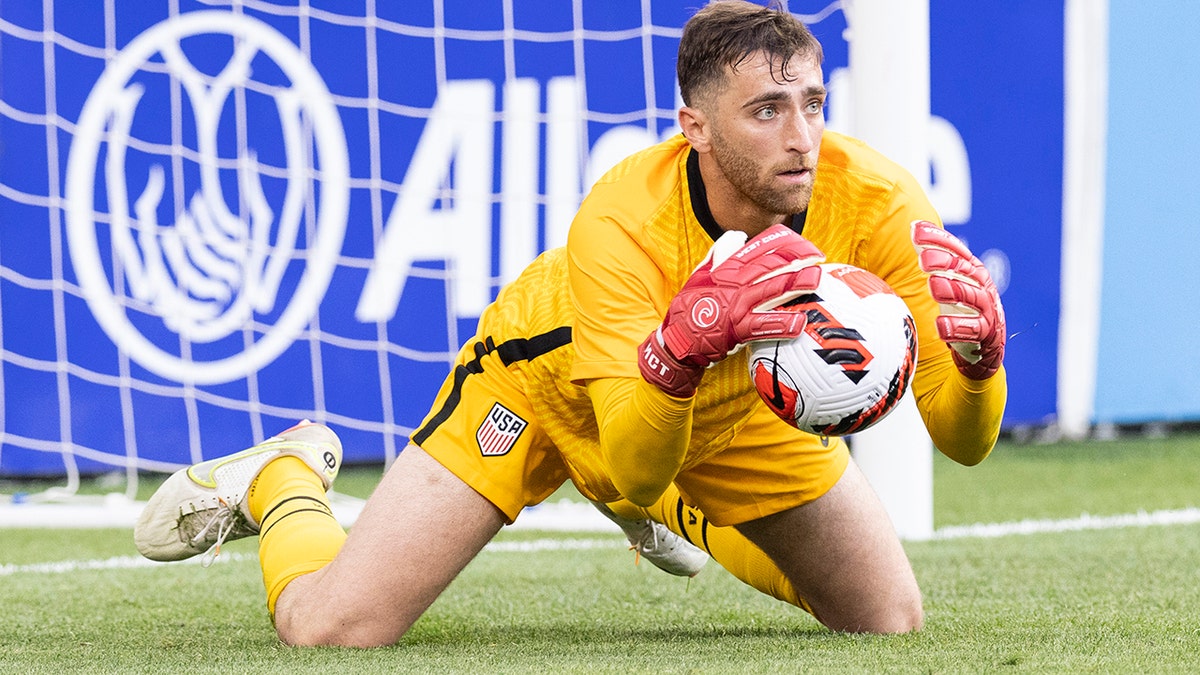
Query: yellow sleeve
[[644, 435], [616, 292], [962, 415]]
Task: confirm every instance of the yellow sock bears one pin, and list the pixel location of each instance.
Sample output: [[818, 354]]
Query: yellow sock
[[726, 545], [298, 532]]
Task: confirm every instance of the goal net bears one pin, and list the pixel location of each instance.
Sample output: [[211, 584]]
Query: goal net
[[219, 218]]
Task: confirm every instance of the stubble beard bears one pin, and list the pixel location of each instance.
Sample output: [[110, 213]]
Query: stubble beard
[[747, 178]]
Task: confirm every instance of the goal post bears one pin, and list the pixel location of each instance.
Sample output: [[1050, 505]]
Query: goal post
[[1084, 164], [888, 85]]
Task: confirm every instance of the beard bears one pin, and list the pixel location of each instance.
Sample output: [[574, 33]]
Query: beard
[[756, 184]]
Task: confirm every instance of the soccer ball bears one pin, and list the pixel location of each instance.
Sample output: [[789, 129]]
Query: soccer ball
[[852, 364]]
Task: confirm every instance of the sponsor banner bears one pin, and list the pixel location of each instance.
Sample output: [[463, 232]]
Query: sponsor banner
[[1004, 97], [221, 219]]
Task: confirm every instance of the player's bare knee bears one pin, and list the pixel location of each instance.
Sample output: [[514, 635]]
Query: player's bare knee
[[901, 613], [904, 617], [329, 628], [325, 635], [889, 624], [883, 613]]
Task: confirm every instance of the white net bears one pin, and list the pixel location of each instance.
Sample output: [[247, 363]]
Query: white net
[[219, 218]]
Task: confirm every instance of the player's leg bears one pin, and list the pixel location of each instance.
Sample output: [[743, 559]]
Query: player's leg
[[475, 462], [841, 553], [815, 534], [728, 546], [422, 526], [418, 530]]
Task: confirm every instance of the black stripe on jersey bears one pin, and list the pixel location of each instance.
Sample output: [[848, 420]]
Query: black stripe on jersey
[[528, 349], [510, 351], [699, 196]]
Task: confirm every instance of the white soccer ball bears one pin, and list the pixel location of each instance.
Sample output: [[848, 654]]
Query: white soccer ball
[[852, 364]]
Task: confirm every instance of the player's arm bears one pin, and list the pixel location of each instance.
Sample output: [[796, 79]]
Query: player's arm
[[732, 298], [961, 414], [964, 395], [644, 434], [618, 294], [645, 423]]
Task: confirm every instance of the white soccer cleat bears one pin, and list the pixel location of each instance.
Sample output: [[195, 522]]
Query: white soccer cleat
[[655, 542], [200, 507]]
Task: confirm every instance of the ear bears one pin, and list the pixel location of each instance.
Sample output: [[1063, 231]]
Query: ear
[[694, 125]]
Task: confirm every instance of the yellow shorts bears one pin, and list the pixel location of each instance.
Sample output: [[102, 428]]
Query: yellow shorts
[[482, 428], [769, 467]]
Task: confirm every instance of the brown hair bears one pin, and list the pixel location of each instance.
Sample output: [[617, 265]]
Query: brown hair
[[726, 32]]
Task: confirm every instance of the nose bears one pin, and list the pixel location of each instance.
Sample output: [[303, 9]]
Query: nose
[[803, 133]]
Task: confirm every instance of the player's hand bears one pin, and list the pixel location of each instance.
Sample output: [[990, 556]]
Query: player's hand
[[972, 318], [731, 299]]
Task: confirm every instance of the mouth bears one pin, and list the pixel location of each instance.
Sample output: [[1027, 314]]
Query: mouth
[[796, 175]]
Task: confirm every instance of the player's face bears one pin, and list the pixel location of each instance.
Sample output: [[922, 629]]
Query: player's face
[[765, 134]]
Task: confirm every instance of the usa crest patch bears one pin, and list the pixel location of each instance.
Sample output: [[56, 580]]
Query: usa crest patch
[[499, 431]]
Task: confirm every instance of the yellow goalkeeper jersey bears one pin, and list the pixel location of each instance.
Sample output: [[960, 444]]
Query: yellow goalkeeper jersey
[[634, 242]]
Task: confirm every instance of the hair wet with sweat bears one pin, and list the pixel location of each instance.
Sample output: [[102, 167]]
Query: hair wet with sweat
[[724, 33]]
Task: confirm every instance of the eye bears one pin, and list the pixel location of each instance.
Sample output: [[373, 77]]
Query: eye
[[768, 113], [815, 106]]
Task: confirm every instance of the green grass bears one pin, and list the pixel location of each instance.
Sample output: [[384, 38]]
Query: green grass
[[1067, 479], [1119, 600]]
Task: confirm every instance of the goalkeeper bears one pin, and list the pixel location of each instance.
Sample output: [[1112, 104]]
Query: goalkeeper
[[614, 363]]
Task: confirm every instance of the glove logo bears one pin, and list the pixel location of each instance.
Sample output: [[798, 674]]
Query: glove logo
[[706, 312]]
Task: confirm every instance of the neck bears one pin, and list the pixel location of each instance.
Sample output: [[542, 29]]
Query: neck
[[731, 209]]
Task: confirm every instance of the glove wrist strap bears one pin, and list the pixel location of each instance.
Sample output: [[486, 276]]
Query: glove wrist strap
[[660, 368]]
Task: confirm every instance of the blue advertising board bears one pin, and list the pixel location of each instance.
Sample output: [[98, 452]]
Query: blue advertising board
[[215, 220], [996, 74]]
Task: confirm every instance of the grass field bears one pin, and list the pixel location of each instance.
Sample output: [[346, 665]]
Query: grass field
[[1114, 600]]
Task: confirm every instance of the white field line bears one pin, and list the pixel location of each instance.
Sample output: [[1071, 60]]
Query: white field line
[[575, 517], [135, 562], [118, 511], [1086, 521]]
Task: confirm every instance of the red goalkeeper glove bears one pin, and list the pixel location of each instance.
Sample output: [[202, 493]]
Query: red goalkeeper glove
[[731, 299], [972, 318]]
